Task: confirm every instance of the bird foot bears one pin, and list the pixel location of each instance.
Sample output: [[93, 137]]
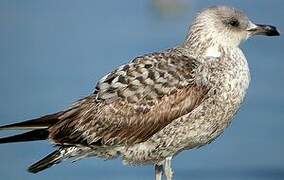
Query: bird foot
[[168, 169]]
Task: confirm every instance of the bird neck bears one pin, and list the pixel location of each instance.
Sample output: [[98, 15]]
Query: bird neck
[[200, 45]]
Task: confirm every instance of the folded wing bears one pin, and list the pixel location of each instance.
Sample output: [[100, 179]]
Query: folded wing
[[133, 102]]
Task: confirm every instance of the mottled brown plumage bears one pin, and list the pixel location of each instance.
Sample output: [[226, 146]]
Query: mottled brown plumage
[[132, 103], [159, 104]]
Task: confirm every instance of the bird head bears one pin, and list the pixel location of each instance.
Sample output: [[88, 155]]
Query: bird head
[[227, 26]]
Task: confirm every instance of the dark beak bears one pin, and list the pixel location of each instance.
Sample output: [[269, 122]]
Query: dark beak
[[266, 30]]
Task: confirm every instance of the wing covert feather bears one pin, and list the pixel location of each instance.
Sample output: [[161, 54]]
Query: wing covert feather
[[133, 102]]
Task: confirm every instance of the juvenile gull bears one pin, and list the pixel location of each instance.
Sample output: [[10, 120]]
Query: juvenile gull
[[159, 104]]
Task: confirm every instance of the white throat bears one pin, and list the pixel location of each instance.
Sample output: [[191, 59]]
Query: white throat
[[213, 51]]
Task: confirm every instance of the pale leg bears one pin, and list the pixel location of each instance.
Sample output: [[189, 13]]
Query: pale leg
[[158, 171], [168, 169]]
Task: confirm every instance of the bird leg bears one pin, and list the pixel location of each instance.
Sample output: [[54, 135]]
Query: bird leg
[[168, 169], [158, 171]]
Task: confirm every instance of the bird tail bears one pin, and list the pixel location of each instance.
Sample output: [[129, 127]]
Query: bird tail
[[38, 127], [56, 157], [39, 130], [48, 161]]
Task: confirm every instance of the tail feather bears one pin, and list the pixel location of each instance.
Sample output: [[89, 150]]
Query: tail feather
[[39, 131], [50, 160], [34, 135]]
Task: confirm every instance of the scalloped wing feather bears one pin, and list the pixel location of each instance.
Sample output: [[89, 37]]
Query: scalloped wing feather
[[133, 102]]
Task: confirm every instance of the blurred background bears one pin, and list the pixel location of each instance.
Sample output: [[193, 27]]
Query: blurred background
[[53, 52]]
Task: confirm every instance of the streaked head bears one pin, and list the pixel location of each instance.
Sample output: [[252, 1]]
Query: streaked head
[[227, 26]]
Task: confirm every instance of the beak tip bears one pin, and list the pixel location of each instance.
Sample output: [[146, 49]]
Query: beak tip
[[267, 30], [272, 31], [276, 33]]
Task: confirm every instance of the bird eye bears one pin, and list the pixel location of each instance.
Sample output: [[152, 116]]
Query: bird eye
[[234, 23]]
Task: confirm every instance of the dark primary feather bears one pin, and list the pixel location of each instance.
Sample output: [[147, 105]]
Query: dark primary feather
[[133, 102], [39, 127], [38, 123], [34, 135]]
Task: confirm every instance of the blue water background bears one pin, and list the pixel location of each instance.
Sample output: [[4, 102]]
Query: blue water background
[[53, 52]]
